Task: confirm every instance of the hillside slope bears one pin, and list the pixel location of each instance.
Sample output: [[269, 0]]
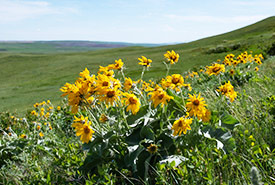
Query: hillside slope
[[28, 78]]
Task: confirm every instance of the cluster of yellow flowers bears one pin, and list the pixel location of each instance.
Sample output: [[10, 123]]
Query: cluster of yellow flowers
[[89, 91], [228, 90], [42, 112], [242, 58], [215, 69], [175, 82]]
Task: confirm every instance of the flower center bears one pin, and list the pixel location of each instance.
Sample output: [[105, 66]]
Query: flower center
[[160, 96], [180, 124], [216, 69], [175, 80], [132, 100], [86, 130], [196, 102], [110, 94], [105, 83]]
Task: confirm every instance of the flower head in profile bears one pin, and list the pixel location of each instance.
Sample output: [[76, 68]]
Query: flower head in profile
[[174, 81], [145, 61], [207, 116], [83, 130], [128, 84], [182, 125], [159, 96], [215, 69], [118, 65], [152, 148], [23, 136], [172, 56], [228, 90], [132, 102], [103, 118], [196, 106]]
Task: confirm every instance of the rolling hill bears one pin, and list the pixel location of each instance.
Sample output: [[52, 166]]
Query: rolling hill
[[43, 47], [27, 78]]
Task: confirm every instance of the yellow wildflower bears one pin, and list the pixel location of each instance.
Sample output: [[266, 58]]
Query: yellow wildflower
[[159, 96], [128, 84], [23, 136], [181, 125], [228, 90], [132, 102], [207, 116], [196, 106], [84, 131], [215, 69], [103, 118], [118, 65], [110, 96], [144, 61], [41, 134], [152, 148], [172, 56]]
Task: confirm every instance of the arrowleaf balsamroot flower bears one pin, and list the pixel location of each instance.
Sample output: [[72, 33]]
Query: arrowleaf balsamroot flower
[[128, 84], [228, 90], [144, 61], [174, 81], [196, 106], [118, 65], [159, 96], [182, 125], [110, 96], [215, 69], [132, 102], [172, 56], [152, 148], [83, 130]]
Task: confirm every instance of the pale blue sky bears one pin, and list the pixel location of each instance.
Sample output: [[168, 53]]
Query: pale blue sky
[[142, 21]]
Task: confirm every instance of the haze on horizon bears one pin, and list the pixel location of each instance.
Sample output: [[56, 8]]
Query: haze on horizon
[[144, 21]]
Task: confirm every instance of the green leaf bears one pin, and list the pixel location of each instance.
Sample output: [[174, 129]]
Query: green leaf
[[229, 121], [131, 158], [133, 120], [222, 136], [147, 132], [143, 164], [134, 138]]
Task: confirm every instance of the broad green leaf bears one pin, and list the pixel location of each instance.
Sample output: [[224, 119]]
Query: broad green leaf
[[229, 121], [147, 132], [133, 120]]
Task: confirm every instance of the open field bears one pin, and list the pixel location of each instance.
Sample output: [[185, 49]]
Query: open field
[[28, 78]]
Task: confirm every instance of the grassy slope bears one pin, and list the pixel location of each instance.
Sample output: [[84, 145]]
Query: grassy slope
[[29, 78]]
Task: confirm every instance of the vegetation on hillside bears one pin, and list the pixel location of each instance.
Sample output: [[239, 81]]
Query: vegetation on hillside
[[28, 78], [210, 125]]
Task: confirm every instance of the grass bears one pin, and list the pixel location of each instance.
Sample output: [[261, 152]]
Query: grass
[[28, 78]]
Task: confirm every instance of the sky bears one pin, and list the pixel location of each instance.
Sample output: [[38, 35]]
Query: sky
[[136, 21]]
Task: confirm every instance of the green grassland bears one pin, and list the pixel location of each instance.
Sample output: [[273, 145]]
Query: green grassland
[[29, 78]]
